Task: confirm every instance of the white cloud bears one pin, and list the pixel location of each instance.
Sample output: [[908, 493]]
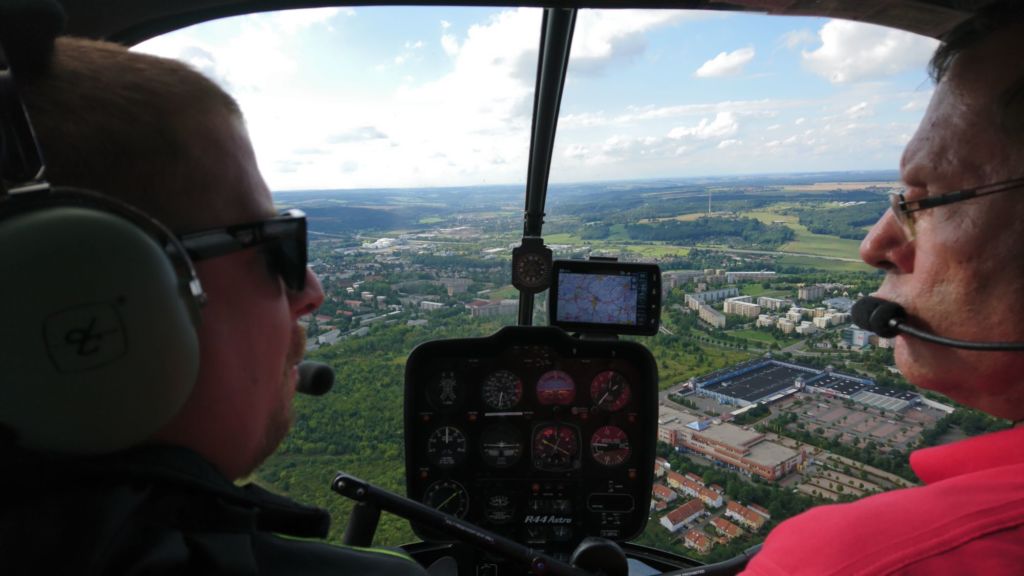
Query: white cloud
[[728, 143], [795, 38], [603, 36], [577, 151], [724, 124], [799, 121], [855, 52], [293, 21], [445, 24], [726, 63], [859, 110], [450, 44]]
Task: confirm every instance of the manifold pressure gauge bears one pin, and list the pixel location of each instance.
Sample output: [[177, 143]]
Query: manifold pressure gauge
[[531, 265]]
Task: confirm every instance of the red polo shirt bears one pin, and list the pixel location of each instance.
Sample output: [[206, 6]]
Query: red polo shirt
[[968, 518]]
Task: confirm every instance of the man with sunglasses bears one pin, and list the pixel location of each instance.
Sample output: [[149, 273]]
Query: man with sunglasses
[[952, 249], [157, 135]]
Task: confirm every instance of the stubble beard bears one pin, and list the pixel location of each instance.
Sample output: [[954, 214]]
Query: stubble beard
[[280, 422]]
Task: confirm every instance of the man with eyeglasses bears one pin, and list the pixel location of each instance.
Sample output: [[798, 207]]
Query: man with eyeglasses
[[157, 135], [952, 249]]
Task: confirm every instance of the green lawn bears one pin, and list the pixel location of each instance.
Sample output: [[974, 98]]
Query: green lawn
[[755, 289], [759, 336]]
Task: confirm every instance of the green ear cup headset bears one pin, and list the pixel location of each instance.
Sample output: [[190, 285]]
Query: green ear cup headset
[[98, 344]]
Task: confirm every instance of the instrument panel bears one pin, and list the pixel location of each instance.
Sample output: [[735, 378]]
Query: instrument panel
[[534, 434]]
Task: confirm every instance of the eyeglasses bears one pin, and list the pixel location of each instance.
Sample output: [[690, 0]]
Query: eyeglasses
[[903, 210], [283, 237]]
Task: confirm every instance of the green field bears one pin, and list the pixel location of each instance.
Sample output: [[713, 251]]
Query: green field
[[806, 241], [758, 336], [656, 250], [754, 289], [824, 264], [562, 238]]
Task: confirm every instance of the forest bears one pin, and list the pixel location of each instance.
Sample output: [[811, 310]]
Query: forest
[[734, 232]]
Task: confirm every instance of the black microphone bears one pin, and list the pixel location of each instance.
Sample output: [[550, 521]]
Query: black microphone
[[887, 319], [315, 378]]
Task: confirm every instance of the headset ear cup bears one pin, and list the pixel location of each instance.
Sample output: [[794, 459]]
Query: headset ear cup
[[98, 347]]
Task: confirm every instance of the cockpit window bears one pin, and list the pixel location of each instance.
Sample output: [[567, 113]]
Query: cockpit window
[[746, 155], [343, 98], [667, 94]]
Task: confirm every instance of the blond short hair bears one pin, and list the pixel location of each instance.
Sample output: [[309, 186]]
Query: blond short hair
[[125, 124]]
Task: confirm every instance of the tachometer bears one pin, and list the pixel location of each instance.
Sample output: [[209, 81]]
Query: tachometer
[[447, 496], [502, 390], [556, 387], [556, 447], [610, 391], [501, 446], [446, 447], [609, 445]]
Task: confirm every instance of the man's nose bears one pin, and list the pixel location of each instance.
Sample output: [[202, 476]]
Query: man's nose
[[308, 299], [887, 247]]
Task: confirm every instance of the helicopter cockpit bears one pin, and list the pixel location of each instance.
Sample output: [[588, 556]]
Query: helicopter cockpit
[[529, 442]]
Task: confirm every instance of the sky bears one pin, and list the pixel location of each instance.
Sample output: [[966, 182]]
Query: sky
[[377, 97]]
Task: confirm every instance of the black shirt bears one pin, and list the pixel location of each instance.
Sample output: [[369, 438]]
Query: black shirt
[[162, 510]]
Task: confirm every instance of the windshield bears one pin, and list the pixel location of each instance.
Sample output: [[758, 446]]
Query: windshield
[[747, 155]]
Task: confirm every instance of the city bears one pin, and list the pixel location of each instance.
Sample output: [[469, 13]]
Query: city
[[771, 400]]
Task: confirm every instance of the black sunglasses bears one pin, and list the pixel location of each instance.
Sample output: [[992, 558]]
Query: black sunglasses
[[283, 238]]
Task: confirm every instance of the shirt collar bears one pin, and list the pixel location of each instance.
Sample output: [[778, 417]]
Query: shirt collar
[[992, 450]]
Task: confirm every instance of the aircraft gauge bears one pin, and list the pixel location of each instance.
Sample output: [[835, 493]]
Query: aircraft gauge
[[610, 391], [446, 447], [556, 448], [501, 446], [556, 387], [448, 497], [445, 392], [609, 446], [502, 390], [531, 265]]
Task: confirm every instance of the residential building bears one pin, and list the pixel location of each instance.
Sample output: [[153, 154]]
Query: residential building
[[811, 293], [696, 488], [662, 492], [742, 306], [697, 540], [711, 316], [806, 328], [709, 296], [676, 519], [773, 303], [786, 325], [734, 277], [745, 516], [726, 528]]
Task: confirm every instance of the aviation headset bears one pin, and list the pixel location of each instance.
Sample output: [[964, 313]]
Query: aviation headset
[[98, 344]]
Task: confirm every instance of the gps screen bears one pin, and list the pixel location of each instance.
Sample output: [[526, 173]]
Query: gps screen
[[597, 298], [605, 297]]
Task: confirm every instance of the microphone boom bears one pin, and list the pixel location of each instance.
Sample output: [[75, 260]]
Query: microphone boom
[[888, 319]]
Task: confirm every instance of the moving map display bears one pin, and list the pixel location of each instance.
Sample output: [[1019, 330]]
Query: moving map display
[[605, 297], [597, 298]]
